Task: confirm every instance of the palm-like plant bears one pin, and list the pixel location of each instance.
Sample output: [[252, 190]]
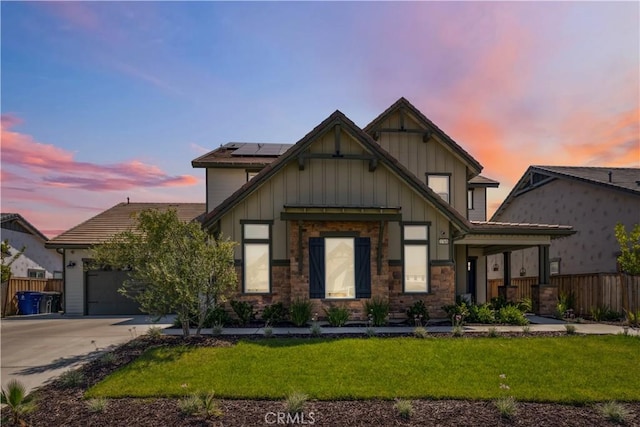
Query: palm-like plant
[[17, 400]]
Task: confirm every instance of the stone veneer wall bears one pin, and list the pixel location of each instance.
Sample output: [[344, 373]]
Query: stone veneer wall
[[544, 299], [288, 285], [442, 293]]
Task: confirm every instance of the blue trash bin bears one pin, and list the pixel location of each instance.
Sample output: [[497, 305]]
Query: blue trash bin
[[28, 302]]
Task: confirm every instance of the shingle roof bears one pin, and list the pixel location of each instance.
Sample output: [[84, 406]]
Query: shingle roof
[[491, 227], [10, 217], [255, 154], [621, 178], [626, 180], [117, 219], [483, 181]]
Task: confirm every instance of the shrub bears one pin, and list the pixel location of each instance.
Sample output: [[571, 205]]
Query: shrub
[[337, 316], [295, 402], [525, 305], [19, 402], [485, 314], [420, 332], [633, 319], [526, 329], [377, 310], [154, 332], [493, 332], [70, 379], [107, 358], [604, 314], [315, 329], [498, 302], [506, 406], [404, 408], [204, 404], [97, 405], [274, 313], [571, 329], [418, 313], [300, 311], [510, 314], [614, 411], [217, 316], [244, 310], [370, 332], [268, 331], [458, 313], [458, 331], [216, 329]]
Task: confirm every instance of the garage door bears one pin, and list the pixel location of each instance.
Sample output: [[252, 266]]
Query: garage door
[[103, 297]]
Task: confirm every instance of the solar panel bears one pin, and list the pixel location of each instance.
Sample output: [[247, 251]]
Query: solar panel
[[261, 150]]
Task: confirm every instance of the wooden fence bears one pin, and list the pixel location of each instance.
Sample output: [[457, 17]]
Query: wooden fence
[[612, 290], [8, 292]]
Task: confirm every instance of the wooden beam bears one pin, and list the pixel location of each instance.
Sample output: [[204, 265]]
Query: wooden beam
[[300, 163], [373, 164], [426, 136], [337, 139]]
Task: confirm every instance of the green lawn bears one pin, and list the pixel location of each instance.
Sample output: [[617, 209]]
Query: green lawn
[[562, 369]]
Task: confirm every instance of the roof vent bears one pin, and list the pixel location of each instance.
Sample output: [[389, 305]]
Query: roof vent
[[610, 173]]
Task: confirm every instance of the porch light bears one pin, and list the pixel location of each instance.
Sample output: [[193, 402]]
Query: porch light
[[523, 272], [496, 267], [71, 264]]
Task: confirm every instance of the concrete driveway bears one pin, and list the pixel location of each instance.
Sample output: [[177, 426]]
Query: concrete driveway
[[38, 348]]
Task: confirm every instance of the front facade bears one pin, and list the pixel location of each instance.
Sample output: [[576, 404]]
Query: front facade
[[349, 214], [37, 262], [592, 199]]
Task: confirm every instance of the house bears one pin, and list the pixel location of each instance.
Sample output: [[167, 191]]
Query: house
[[591, 199], [347, 214], [95, 292], [36, 262]]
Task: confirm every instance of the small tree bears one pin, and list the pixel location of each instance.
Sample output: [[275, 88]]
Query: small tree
[[175, 266], [8, 259], [629, 261]]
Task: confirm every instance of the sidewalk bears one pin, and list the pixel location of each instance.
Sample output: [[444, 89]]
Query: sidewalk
[[538, 324]]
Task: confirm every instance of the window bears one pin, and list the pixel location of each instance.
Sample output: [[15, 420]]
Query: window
[[470, 199], [554, 266], [256, 256], [415, 256], [339, 267], [439, 183], [35, 274], [57, 274]]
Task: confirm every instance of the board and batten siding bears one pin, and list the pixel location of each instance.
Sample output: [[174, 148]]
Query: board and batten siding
[[221, 183], [479, 211], [334, 182], [425, 157]]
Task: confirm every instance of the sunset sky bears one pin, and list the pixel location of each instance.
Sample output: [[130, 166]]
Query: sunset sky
[[102, 101]]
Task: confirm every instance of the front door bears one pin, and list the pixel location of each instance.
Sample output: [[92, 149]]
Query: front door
[[472, 264]]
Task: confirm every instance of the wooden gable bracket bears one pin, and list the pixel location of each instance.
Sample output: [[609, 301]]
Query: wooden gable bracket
[[337, 131], [373, 164], [426, 136]]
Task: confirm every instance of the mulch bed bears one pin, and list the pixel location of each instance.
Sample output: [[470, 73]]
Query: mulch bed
[[60, 406]]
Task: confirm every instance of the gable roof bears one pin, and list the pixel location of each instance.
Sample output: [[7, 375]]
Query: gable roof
[[403, 104], [482, 181], [338, 118], [117, 219], [626, 180], [6, 218], [241, 154]]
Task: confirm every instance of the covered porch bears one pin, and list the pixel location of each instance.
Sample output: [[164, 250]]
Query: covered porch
[[486, 239]]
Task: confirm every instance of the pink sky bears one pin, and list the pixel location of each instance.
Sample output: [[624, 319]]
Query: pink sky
[[104, 101]]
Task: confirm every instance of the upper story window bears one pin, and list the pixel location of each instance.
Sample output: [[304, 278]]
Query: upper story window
[[256, 257], [470, 199], [440, 184]]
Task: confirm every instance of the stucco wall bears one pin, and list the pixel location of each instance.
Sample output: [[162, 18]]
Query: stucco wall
[[74, 281], [593, 212], [35, 255]]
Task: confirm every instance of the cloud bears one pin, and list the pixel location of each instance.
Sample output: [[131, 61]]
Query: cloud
[[55, 167]]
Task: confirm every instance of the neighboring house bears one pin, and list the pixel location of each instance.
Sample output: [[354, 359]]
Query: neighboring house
[[591, 199], [95, 292], [36, 262], [348, 214]]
